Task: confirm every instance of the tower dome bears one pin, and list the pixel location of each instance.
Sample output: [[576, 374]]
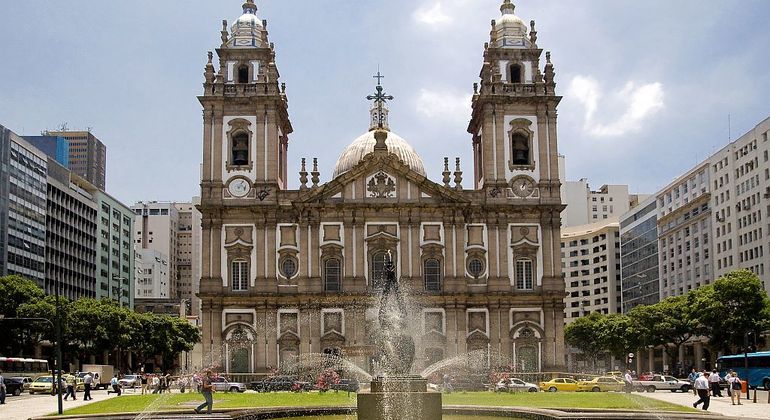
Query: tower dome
[[365, 143], [511, 30], [247, 29]]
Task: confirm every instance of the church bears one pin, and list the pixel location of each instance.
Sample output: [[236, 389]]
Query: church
[[287, 272]]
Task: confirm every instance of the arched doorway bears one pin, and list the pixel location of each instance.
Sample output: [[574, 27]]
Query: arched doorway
[[239, 344]]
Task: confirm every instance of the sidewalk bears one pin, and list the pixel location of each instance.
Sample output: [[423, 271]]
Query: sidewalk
[[721, 405], [26, 406]]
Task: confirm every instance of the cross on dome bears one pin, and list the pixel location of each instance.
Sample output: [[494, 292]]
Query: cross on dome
[[507, 7], [250, 7], [379, 110]]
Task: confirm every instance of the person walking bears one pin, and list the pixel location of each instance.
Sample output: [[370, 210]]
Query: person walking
[[702, 387], [735, 385], [714, 379], [692, 377], [155, 384], [206, 389], [144, 383], [629, 381], [2, 388], [88, 380], [167, 381], [115, 385], [71, 384]]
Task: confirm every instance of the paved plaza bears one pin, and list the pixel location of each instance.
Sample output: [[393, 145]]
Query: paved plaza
[[26, 406], [721, 405]]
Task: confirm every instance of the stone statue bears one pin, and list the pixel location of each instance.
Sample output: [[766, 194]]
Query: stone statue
[[398, 346]]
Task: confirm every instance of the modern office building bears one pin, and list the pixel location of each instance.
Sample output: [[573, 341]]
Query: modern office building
[[157, 228], [153, 279], [87, 155], [585, 206], [23, 191], [639, 255], [591, 266], [684, 233], [56, 147], [70, 235]]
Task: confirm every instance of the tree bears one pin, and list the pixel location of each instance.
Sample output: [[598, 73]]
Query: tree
[[584, 334], [166, 336], [730, 308], [668, 323], [618, 335], [15, 292]]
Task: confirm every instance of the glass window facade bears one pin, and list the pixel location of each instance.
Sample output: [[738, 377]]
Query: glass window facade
[[639, 258]]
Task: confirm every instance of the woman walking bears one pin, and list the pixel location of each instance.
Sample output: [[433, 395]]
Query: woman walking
[[735, 384]]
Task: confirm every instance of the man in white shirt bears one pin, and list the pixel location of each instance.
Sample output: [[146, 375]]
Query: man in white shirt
[[701, 386], [714, 379], [88, 380], [629, 380]]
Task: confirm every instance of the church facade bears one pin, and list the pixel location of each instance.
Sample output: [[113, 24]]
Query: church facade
[[287, 272]]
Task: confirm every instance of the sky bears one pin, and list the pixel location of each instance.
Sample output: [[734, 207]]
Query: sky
[[647, 85]]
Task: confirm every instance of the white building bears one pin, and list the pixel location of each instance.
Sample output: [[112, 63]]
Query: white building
[[152, 275], [156, 228], [585, 206]]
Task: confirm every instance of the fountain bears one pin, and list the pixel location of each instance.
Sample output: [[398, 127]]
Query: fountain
[[396, 393]]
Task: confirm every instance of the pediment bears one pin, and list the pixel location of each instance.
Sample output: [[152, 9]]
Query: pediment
[[379, 176]]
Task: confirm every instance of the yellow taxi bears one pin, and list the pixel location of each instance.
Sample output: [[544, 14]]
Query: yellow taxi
[[602, 383], [559, 384], [41, 385]]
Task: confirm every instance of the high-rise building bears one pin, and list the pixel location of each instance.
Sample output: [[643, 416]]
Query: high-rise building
[[591, 266], [115, 251], [156, 228], [70, 235], [639, 255], [290, 272], [23, 189], [55, 147], [187, 255], [585, 206], [87, 155]]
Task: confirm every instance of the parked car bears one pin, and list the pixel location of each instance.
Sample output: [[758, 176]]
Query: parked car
[[657, 382], [349, 385], [221, 383], [25, 380], [281, 383], [515, 385], [601, 384], [13, 386], [559, 384], [130, 381]]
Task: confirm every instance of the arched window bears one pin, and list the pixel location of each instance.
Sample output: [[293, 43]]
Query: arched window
[[240, 149], [332, 275], [520, 149], [243, 74], [239, 275], [378, 268], [524, 274], [432, 274], [515, 73]]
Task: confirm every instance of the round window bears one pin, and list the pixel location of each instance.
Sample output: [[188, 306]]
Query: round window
[[289, 267], [476, 267]]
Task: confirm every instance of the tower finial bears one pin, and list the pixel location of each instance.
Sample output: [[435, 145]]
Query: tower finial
[[249, 7], [379, 111], [507, 7]]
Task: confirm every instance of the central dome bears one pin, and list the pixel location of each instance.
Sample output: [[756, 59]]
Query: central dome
[[364, 145]]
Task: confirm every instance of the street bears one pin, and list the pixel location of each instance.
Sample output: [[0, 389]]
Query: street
[[721, 405], [25, 405]]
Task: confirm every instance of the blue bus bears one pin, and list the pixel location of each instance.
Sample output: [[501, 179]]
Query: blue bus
[[758, 373]]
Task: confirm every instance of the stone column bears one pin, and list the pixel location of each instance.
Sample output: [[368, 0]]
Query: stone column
[[651, 359], [698, 354]]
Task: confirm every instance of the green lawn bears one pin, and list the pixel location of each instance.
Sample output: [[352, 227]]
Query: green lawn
[[170, 402]]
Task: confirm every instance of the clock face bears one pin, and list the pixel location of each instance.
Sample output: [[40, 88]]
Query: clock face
[[239, 187], [523, 187]]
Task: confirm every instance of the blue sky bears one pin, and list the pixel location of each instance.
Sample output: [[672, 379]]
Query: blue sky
[[647, 85]]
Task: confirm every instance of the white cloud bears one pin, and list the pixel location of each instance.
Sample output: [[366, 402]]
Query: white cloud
[[432, 15], [444, 106], [636, 103]]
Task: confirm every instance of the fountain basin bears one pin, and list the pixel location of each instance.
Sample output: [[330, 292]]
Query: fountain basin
[[399, 397]]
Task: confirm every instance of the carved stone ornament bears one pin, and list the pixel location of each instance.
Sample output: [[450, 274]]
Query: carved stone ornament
[[381, 185]]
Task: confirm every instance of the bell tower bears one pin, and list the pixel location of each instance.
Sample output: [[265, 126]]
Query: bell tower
[[245, 116], [514, 113]]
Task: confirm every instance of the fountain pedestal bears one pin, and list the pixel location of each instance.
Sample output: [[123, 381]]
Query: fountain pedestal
[[403, 397]]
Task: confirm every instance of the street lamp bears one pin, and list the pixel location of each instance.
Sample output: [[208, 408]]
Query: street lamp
[[58, 360], [120, 280]]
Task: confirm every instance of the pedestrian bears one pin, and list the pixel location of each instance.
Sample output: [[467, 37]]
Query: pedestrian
[[629, 381], [2, 388], [115, 385], [88, 380], [71, 384], [702, 387], [735, 386], [167, 380], [144, 383], [206, 390], [155, 384], [714, 379], [692, 377]]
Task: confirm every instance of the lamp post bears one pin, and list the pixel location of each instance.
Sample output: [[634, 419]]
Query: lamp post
[[120, 280], [57, 360]]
